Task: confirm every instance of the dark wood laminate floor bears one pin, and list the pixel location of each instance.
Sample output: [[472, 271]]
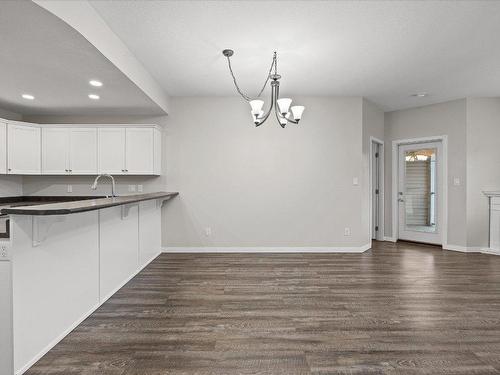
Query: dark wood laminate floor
[[397, 309]]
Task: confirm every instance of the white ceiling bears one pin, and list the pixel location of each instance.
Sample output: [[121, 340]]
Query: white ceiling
[[43, 56], [384, 50]]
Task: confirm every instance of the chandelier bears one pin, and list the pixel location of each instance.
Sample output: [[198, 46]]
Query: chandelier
[[281, 106]]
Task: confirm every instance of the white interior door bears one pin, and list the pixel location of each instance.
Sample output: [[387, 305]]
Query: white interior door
[[420, 192]]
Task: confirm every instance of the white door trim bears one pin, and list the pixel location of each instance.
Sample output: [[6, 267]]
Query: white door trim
[[381, 231], [395, 176]]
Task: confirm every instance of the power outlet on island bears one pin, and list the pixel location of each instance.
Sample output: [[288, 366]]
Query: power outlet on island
[[347, 231], [131, 188], [208, 231]]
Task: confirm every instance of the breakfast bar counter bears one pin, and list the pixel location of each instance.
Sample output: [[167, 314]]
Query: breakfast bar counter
[[81, 250]]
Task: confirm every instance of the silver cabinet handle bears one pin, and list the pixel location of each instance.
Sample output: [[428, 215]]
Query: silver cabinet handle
[[401, 200]]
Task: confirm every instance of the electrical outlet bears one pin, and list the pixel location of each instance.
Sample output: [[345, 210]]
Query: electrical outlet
[[69, 189], [208, 231], [3, 252], [131, 188], [355, 181], [456, 181], [347, 231], [139, 188]]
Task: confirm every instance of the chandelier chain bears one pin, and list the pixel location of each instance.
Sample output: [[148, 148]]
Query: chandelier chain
[[245, 96]]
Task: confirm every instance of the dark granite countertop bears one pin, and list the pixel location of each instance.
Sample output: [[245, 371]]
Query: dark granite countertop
[[71, 205]]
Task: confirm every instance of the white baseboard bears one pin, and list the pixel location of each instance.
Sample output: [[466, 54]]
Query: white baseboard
[[490, 251], [77, 322], [390, 239], [471, 249], [462, 249], [265, 249]]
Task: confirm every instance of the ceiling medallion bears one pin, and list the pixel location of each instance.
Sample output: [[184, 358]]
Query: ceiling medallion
[[282, 109]]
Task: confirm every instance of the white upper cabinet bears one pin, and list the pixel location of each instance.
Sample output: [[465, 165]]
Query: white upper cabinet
[[3, 147], [112, 150], [69, 151], [139, 150], [79, 149], [55, 151], [23, 147], [83, 151]]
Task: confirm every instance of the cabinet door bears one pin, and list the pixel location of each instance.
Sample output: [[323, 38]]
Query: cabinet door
[[55, 150], [3, 148], [157, 152], [23, 146], [83, 151], [149, 231], [118, 247], [139, 151], [111, 154]]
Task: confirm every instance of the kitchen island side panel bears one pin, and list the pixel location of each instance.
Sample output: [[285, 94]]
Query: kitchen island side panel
[[55, 279]]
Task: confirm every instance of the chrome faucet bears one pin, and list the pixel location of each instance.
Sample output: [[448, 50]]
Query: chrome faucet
[[94, 185]]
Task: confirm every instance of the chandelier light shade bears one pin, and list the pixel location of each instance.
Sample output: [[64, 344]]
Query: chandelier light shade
[[280, 106], [284, 105]]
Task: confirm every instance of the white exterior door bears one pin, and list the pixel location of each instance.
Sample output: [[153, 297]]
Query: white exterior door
[[420, 192], [83, 151], [3, 148], [111, 150], [23, 145], [139, 151], [55, 151]]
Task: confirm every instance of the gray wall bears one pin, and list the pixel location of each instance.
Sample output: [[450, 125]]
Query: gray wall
[[483, 164], [439, 119], [264, 186]]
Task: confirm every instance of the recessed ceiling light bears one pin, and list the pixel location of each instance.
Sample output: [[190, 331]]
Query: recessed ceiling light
[[95, 83], [28, 96], [420, 94], [93, 96]]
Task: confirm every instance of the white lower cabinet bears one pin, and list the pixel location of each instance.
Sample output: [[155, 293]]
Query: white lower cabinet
[[149, 231], [119, 247], [59, 269]]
